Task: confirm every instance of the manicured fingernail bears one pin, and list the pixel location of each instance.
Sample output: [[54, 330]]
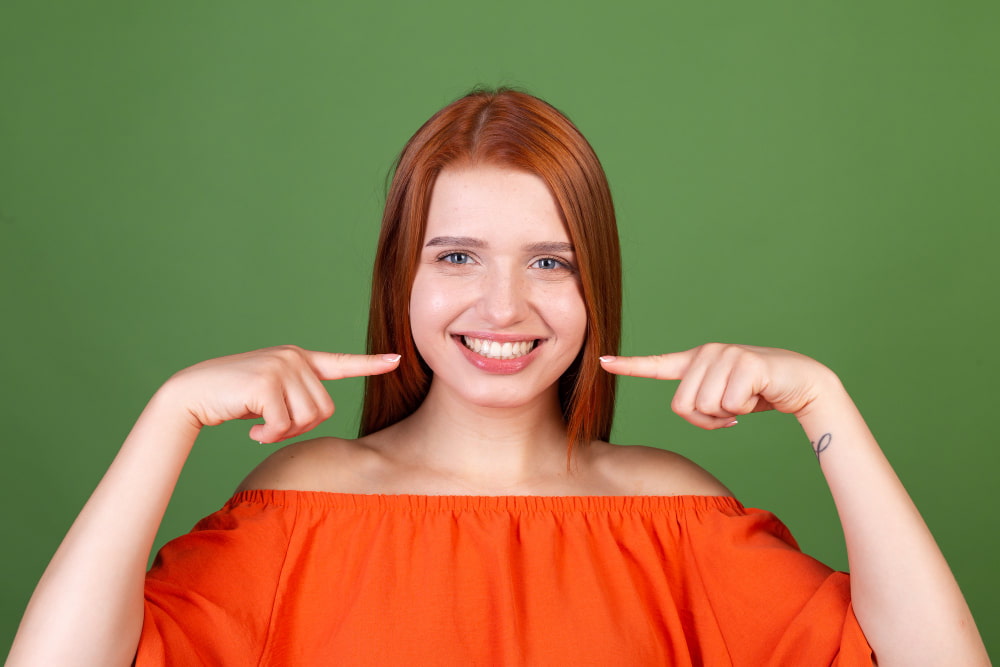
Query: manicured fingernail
[[608, 358], [731, 424], [391, 358], [260, 442]]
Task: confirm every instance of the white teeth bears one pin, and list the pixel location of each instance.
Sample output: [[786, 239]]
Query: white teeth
[[496, 350]]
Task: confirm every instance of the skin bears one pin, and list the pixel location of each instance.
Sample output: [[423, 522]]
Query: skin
[[481, 270], [483, 433]]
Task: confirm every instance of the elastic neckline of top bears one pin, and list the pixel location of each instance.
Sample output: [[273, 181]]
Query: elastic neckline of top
[[383, 502]]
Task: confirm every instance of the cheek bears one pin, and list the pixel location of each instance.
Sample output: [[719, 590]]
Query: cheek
[[429, 308], [570, 314]]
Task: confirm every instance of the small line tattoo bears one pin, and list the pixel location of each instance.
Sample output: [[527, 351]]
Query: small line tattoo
[[820, 446]]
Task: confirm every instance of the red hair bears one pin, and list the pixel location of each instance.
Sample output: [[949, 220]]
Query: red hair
[[515, 130]]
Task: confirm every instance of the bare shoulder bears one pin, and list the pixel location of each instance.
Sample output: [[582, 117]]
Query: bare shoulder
[[320, 464], [648, 471]]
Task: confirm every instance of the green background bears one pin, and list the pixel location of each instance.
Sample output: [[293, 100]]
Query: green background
[[193, 179]]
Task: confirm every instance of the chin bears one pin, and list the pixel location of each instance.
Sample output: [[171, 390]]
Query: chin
[[502, 398], [504, 401]]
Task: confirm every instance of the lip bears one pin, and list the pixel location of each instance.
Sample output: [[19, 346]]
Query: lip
[[498, 337], [497, 366]]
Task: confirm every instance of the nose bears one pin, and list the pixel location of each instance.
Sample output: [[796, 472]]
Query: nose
[[504, 299]]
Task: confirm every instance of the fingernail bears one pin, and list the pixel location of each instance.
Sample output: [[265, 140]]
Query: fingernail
[[608, 358], [260, 442], [391, 358], [731, 424]]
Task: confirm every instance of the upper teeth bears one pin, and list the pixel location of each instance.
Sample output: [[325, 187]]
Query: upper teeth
[[496, 350]]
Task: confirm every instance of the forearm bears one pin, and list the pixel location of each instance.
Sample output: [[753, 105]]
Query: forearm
[[903, 592], [88, 605]]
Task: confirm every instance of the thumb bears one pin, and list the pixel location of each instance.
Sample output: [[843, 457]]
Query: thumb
[[671, 366], [337, 365]]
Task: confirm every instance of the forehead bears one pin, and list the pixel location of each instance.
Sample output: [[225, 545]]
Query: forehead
[[488, 200]]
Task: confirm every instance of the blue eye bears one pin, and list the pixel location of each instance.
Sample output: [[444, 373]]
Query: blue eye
[[550, 263], [456, 258]]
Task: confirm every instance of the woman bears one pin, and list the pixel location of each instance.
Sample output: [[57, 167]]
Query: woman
[[458, 528]]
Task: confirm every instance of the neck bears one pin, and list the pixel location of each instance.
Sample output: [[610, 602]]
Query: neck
[[485, 447]]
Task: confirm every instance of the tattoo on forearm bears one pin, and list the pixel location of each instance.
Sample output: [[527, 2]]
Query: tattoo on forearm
[[820, 445]]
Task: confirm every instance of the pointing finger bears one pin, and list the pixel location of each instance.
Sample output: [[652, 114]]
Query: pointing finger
[[670, 366], [336, 366]]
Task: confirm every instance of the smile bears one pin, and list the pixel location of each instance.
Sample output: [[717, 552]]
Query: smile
[[492, 349]]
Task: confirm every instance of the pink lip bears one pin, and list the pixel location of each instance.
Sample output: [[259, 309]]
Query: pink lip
[[497, 366]]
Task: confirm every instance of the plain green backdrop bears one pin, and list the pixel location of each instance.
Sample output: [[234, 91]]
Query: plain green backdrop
[[187, 180]]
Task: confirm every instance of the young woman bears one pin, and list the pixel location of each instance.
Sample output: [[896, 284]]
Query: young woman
[[482, 517]]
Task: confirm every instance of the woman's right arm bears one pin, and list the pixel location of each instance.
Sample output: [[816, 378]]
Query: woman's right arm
[[88, 605]]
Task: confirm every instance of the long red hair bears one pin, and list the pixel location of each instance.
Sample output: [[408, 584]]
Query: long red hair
[[511, 129]]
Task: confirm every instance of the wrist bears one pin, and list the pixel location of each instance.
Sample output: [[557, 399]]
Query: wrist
[[832, 416], [828, 392], [168, 407]]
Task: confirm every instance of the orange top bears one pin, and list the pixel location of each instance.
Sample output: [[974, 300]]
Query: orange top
[[311, 578]]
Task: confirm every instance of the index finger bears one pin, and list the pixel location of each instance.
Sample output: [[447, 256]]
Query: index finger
[[338, 365], [671, 366]]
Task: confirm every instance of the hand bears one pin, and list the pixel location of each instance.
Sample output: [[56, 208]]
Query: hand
[[720, 382], [279, 384]]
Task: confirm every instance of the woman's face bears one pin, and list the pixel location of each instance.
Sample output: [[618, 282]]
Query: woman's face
[[496, 308]]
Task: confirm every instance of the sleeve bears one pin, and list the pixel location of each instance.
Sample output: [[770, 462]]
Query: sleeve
[[210, 593], [772, 604]]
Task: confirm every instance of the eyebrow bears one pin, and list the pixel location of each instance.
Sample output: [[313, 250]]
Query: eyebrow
[[466, 241], [470, 242]]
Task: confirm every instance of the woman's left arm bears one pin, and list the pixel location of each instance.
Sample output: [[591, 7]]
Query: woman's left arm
[[903, 593]]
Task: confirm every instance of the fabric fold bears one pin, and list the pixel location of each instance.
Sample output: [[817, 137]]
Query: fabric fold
[[310, 578]]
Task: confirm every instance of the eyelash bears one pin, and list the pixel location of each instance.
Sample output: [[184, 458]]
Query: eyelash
[[562, 264], [444, 257]]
